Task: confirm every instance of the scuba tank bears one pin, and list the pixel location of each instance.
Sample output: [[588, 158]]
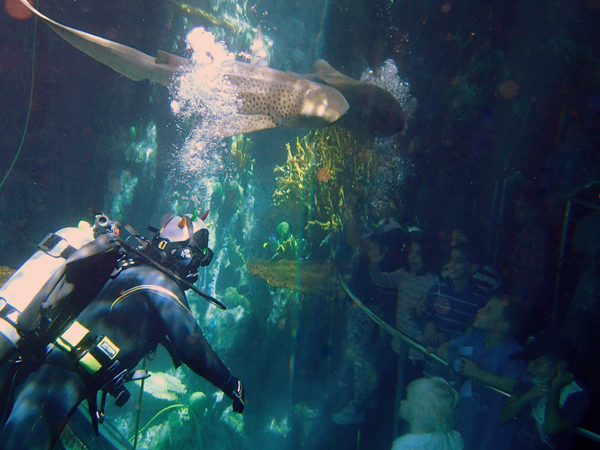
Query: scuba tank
[[20, 289], [53, 286]]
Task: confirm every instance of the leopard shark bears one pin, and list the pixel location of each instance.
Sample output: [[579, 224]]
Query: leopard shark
[[268, 98]]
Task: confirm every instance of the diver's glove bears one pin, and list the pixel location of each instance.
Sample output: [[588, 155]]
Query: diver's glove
[[234, 389]]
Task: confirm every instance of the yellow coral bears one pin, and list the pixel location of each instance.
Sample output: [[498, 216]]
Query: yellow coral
[[323, 165]]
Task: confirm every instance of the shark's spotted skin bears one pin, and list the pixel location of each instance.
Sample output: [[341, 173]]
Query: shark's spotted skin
[[288, 99]]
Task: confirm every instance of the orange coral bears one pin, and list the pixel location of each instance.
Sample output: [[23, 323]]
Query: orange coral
[[323, 174]]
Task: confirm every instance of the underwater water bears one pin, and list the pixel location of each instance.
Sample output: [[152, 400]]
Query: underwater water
[[482, 117]]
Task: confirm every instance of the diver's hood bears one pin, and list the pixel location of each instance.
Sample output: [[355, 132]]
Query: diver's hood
[[180, 231]]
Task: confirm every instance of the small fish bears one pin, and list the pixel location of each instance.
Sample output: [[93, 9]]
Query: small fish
[[269, 98], [326, 239]]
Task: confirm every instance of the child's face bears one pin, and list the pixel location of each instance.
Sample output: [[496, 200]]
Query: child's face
[[407, 405], [488, 317], [541, 369], [415, 258], [459, 267]]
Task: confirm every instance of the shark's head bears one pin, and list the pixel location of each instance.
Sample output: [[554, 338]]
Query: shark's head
[[324, 102]]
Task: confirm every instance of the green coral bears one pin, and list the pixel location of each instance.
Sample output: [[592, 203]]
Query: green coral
[[287, 249], [283, 245], [281, 427], [319, 170], [233, 420], [235, 254], [216, 198]]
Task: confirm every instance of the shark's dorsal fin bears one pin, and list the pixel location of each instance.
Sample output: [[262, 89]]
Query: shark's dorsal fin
[[174, 61], [327, 73]]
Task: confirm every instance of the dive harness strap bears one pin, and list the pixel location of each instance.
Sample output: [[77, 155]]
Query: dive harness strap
[[56, 246]]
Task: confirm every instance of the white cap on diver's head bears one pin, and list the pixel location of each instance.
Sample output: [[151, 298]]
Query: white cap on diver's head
[[181, 231], [176, 229]]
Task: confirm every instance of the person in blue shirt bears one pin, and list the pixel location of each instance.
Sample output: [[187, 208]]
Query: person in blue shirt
[[481, 357]]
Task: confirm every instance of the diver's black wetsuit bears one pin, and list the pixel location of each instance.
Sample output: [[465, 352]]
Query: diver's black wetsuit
[[136, 311]]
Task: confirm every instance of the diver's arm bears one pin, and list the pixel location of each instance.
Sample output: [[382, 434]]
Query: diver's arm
[[194, 350], [189, 342]]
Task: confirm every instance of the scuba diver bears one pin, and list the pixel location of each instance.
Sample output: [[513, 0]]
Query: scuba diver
[[138, 308]]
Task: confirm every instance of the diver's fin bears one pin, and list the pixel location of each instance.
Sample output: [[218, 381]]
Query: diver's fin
[[127, 61]]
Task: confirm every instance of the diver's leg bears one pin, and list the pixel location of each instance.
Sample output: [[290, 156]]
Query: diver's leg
[[41, 409]]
